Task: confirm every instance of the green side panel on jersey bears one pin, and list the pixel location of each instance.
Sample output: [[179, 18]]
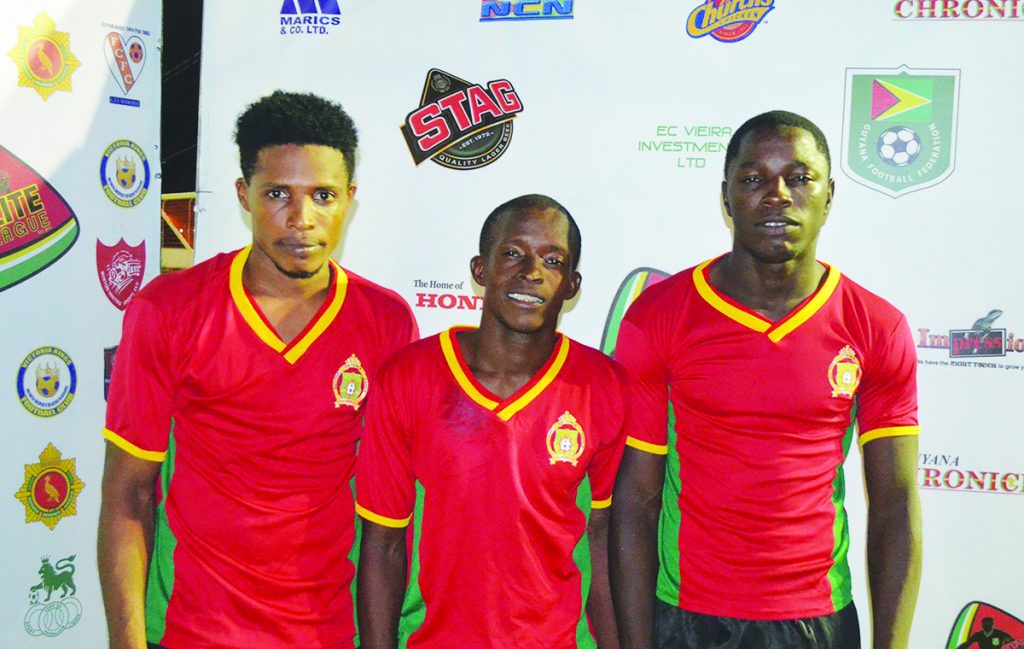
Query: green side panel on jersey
[[161, 564], [353, 556], [414, 609], [668, 523], [839, 574], [581, 557]]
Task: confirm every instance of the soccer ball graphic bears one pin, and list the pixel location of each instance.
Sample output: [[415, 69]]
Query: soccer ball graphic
[[899, 146], [135, 52]]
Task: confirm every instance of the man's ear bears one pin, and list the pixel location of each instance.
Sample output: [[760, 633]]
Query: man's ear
[[242, 191], [725, 201], [476, 268], [574, 285]]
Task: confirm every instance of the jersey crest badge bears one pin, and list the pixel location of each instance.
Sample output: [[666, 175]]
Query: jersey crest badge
[[844, 373], [566, 440], [350, 384], [50, 490]]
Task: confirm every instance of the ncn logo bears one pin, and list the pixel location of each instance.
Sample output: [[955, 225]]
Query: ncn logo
[[547, 10]]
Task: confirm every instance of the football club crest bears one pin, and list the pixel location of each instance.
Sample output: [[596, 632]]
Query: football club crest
[[43, 56], [37, 225], [844, 373], [53, 607], [120, 269], [51, 487], [124, 172], [126, 57], [900, 128], [566, 441], [47, 382], [350, 384]]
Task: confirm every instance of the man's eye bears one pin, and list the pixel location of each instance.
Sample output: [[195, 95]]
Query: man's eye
[[276, 193], [324, 196], [750, 180], [801, 179], [555, 261]]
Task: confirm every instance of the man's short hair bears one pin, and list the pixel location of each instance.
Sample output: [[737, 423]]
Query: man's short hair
[[775, 120], [294, 118], [523, 203]]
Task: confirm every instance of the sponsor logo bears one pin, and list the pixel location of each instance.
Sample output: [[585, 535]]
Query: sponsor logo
[[50, 490], [727, 21], [43, 56], [631, 287], [47, 382], [37, 225], [984, 625], [53, 607], [900, 127], [566, 441], [350, 384], [109, 353], [948, 473], [522, 10], [844, 373], [120, 269], [461, 125], [690, 144], [309, 16], [982, 340], [124, 172], [958, 10], [126, 54], [446, 296]]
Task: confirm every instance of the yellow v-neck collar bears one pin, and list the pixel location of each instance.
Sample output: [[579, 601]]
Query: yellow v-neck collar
[[503, 408], [293, 351], [775, 331]]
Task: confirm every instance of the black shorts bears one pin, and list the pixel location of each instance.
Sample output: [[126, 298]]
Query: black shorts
[[679, 629]]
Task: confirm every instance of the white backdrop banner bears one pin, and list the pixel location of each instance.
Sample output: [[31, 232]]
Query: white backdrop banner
[[621, 111], [79, 235]]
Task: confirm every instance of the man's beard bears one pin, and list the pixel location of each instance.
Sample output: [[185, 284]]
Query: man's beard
[[294, 274]]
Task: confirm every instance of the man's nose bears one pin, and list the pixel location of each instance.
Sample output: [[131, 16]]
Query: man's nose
[[777, 193], [302, 213]]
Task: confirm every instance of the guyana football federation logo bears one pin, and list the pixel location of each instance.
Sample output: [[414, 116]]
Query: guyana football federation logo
[[844, 373], [43, 56], [566, 441], [53, 607], [50, 490], [900, 128], [350, 384], [984, 625]]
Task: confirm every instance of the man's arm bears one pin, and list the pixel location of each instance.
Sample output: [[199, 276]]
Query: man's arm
[[894, 537], [633, 551], [381, 584], [599, 604], [125, 544]]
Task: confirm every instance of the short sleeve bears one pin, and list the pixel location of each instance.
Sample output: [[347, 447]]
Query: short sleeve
[[648, 387], [141, 395], [385, 484], [605, 464], [887, 397]]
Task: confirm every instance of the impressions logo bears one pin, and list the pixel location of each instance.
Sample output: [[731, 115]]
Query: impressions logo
[[983, 340], [309, 16], [971, 10], [43, 56], [983, 625], [727, 21], [461, 125], [126, 54], [504, 11], [53, 607], [37, 225], [124, 173], [900, 127]]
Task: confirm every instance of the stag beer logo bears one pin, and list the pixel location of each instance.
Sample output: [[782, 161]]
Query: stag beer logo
[[900, 127], [51, 487], [109, 354], [124, 172], [309, 16], [636, 281], [37, 225], [120, 269], [47, 382], [43, 56], [525, 10], [727, 21], [53, 607], [461, 125], [126, 57], [984, 625]]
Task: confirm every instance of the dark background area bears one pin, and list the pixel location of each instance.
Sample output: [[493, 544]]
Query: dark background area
[[179, 122]]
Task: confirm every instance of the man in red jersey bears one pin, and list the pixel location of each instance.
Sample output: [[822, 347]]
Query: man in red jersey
[[498, 440], [242, 383], [753, 372]]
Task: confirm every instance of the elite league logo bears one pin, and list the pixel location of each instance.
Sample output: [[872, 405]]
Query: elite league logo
[[120, 268], [984, 625], [900, 128]]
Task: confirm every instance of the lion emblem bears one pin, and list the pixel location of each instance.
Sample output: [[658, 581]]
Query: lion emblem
[[60, 576]]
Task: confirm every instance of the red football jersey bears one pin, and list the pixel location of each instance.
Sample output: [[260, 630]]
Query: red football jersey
[[756, 418], [500, 556], [258, 440]]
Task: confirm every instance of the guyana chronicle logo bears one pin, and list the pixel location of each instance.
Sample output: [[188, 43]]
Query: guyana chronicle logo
[[53, 607], [900, 128], [727, 21], [983, 625], [461, 125]]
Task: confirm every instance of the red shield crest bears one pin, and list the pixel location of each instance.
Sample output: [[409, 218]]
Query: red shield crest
[[120, 269]]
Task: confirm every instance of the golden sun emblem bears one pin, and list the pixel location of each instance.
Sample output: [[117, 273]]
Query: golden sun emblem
[[350, 384], [43, 56], [50, 490], [566, 440], [844, 373]]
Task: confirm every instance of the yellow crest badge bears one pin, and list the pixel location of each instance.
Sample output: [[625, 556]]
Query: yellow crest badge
[[43, 56], [50, 490], [566, 440], [844, 373], [350, 384]]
